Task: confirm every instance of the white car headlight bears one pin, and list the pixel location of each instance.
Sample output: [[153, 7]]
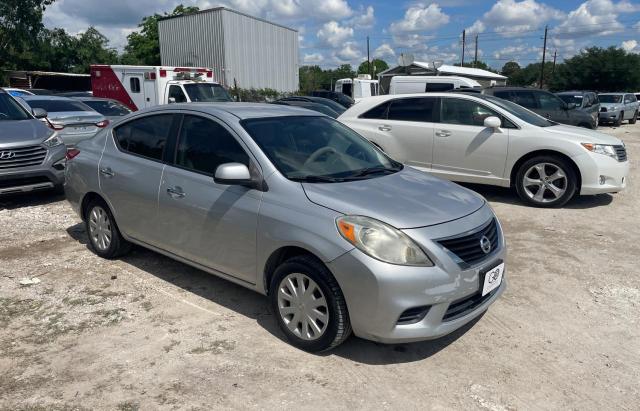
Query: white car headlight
[[381, 241], [604, 149], [53, 140]]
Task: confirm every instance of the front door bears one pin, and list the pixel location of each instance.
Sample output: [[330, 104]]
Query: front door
[[211, 224], [552, 107], [464, 149]]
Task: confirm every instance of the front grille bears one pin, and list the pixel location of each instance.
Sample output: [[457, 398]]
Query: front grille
[[621, 152], [22, 157], [464, 306], [468, 247], [413, 315], [16, 182], [603, 109]]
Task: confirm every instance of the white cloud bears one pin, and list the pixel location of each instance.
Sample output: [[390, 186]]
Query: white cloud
[[333, 34], [349, 52], [420, 17], [511, 17], [384, 51], [364, 18], [313, 58], [629, 45], [594, 17]]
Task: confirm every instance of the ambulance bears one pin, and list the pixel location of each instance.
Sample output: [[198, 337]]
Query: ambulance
[[139, 87]]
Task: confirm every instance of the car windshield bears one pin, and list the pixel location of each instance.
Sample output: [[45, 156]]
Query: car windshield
[[610, 98], [206, 92], [11, 110], [519, 111], [108, 108], [57, 106], [571, 98], [318, 149]]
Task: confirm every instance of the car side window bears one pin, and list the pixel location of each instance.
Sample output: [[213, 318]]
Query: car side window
[[525, 99], [438, 87], [378, 112], [412, 109], [177, 93], [146, 136], [549, 102], [134, 84], [204, 144], [465, 112]]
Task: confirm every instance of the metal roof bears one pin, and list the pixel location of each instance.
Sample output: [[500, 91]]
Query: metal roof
[[462, 71], [226, 9]]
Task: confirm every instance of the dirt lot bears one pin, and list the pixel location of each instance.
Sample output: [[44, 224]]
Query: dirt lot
[[146, 332]]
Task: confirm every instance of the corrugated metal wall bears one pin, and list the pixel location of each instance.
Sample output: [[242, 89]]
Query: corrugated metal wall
[[256, 53]]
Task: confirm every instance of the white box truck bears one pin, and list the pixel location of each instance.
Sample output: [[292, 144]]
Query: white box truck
[[425, 84], [357, 88], [145, 86]]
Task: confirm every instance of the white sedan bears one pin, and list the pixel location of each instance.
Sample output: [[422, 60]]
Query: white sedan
[[476, 138]]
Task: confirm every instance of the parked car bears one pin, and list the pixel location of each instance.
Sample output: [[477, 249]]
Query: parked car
[[73, 120], [338, 108], [294, 205], [341, 98], [477, 138], [617, 107], [112, 109], [320, 108], [586, 101], [75, 94], [17, 92], [40, 91], [424, 84], [544, 103], [32, 156]]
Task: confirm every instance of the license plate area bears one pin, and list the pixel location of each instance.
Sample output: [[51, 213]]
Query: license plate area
[[491, 278]]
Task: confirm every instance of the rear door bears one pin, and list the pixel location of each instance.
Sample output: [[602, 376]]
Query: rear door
[[211, 224], [134, 84], [464, 149], [629, 106], [130, 171]]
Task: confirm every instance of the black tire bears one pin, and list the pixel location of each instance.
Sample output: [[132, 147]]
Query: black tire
[[117, 246], [619, 120], [585, 125], [338, 327], [635, 117], [569, 184]]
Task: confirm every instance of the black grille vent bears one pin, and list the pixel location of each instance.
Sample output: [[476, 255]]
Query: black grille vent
[[468, 248], [462, 307], [413, 315], [621, 152], [603, 109], [22, 157]]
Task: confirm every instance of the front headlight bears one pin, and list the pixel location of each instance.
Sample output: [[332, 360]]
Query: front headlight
[[604, 149], [53, 140], [381, 241]]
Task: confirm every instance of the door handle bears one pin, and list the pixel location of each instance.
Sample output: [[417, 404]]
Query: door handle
[[443, 133], [107, 172], [384, 128], [175, 192]]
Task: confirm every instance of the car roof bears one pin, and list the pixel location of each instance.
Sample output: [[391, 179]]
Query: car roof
[[239, 110], [613, 93], [90, 98], [41, 97]]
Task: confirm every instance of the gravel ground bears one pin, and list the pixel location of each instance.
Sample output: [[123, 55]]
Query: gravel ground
[[146, 332]]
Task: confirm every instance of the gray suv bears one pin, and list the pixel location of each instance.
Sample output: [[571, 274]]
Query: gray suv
[[32, 156], [586, 101], [293, 204], [546, 104], [617, 107]]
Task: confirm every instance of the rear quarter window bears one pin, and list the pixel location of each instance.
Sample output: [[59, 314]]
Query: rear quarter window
[[378, 112]]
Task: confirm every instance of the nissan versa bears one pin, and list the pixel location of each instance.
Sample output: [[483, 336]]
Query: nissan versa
[[297, 206]]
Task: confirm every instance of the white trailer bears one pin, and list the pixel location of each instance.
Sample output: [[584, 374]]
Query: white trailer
[[357, 88]]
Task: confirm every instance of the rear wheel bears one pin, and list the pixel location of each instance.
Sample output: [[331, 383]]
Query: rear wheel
[[104, 236], [635, 117], [546, 181]]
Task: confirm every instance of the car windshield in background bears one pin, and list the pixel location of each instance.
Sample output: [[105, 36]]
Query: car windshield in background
[[318, 149], [519, 111], [58, 106], [11, 110], [570, 98], [108, 108], [610, 98], [206, 92]]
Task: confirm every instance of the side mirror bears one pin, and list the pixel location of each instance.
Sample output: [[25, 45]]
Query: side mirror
[[493, 122], [172, 100], [40, 113], [233, 174]]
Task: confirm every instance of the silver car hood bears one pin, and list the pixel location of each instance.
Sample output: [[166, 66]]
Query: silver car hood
[[583, 135], [75, 117], [23, 132], [406, 199]]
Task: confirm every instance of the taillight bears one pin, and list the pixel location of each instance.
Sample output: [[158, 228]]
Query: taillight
[[72, 153], [209, 74], [102, 123]]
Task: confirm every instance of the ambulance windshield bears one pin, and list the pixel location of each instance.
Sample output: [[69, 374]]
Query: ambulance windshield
[[199, 92]]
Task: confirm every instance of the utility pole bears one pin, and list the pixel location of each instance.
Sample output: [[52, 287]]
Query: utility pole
[[475, 58], [368, 59], [555, 54], [544, 53], [464, 39]]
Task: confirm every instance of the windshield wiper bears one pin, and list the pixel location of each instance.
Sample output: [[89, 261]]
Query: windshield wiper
[[373, 170], [316, 179]]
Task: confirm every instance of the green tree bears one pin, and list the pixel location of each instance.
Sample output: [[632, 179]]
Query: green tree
[[143, 46], [92, 47], [311, 78], [530, 75], [377, 66], [510, 68]]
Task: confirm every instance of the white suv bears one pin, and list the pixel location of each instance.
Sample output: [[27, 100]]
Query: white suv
[[484, 139]]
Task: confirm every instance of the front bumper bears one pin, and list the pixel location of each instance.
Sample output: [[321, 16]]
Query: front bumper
[[608, 116], [49, 174], [594, 167], [378, 293]]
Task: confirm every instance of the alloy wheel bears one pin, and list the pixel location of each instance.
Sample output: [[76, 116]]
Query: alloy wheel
[[545, 182], [303, 307], [100, 228]]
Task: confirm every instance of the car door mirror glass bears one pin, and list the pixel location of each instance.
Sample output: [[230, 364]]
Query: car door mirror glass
[[172, 100], [40, 113], [492, 122], [233, 174]]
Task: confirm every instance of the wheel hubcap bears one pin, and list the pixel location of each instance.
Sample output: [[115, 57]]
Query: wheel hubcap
[[545, 182], [100, 228], [303, 307]]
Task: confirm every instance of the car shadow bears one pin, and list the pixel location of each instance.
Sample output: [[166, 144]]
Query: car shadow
[[38, 198], [508, 196], [255, 306]]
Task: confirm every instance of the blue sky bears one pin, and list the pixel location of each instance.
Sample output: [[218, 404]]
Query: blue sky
[[334, 32]]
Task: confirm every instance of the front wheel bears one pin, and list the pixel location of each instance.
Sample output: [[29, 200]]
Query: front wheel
[[618, 121], [635, 117], [309, 305], [546, 181]]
